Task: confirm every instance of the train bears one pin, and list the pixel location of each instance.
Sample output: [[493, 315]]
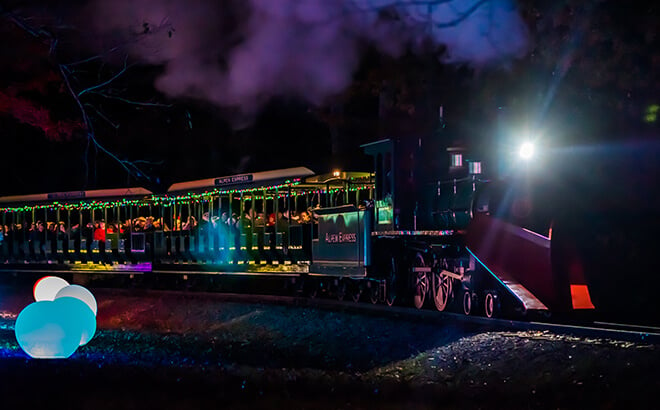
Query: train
[[425, 224]]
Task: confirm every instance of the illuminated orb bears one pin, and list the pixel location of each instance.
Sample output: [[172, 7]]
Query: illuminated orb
[[47, 287], [526, 150], [78, 312], [79, 292], [45, 330]]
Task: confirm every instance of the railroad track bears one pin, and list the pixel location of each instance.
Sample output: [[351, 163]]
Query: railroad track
[[584, 329]]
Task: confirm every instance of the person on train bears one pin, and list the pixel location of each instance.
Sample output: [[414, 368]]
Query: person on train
[[2, 244], [88, 234], [189, 228], [37, 239], [149, 229], [175, 236], [99, 231], [99, 236], [139, 224], [33, 238], [51, 235], [304, 218], [260, 220], [112, 236], [63, 236]]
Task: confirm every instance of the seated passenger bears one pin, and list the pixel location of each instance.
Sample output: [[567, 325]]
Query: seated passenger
[[99, 231], [305, 218], [99, 236], [245, 223], [139, 224], [63, 237], [259, 221], [2, 244], [32, 239], [190, 224], [41, 231], [294, 218], [88, 235], [51, 235], [188, 228], [112, 235]]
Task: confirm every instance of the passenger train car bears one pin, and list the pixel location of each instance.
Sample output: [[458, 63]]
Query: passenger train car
[[425, 225]]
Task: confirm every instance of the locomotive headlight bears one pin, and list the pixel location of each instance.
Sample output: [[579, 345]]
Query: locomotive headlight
[[526, 150]]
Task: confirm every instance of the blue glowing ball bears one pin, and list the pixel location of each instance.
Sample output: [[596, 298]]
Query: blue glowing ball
[[78, 312], [79, 292], [45, 330]]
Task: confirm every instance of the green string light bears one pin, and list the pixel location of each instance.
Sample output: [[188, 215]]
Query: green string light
[[168, 201]]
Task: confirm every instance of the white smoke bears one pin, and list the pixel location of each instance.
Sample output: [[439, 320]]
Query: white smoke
[[240, 54]]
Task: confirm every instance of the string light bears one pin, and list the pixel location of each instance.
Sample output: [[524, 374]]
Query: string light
[[281, 191]]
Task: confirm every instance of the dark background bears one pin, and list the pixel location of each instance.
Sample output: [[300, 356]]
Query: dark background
[[590, 75]]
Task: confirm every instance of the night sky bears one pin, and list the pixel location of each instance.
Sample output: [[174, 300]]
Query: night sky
[[97, 94]]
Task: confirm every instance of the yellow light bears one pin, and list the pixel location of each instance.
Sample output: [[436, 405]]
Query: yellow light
[[336, 173]]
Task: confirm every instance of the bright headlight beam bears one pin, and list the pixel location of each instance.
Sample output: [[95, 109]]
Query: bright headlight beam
[[526, 150]]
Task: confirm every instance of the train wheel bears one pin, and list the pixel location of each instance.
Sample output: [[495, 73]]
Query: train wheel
[[311, 288], [390, 288], [374, 293], [298, 286], [356, 292], [421, 287], [341, 289], [390, 298], [491, 305], [442, 290], [467, 302]]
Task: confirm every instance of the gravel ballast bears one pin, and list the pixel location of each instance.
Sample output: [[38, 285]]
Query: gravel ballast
[[174, 350]]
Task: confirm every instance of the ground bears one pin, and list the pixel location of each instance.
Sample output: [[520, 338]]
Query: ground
[[193, 350]]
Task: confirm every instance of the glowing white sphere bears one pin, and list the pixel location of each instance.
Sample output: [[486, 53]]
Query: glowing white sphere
[[79, 292], [45, 330], [526, 150], [47, 287], [78, 312]]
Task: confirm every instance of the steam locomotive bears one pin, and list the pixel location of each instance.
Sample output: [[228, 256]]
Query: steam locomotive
[[428, 224]]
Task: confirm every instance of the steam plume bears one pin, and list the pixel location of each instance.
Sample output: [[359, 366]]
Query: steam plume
[[241, 53]]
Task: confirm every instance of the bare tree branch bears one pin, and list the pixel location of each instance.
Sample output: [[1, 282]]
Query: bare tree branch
[[134, 168], [103, 84], [131, 102]]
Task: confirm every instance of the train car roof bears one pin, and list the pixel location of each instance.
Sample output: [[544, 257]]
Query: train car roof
[[340, 177], [241, 182], [76, 195]]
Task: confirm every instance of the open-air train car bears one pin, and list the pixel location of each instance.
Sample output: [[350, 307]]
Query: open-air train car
[[56, 231], [250, 223]]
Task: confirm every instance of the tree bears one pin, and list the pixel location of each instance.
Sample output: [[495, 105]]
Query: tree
[[47, 83], [592, 72]]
